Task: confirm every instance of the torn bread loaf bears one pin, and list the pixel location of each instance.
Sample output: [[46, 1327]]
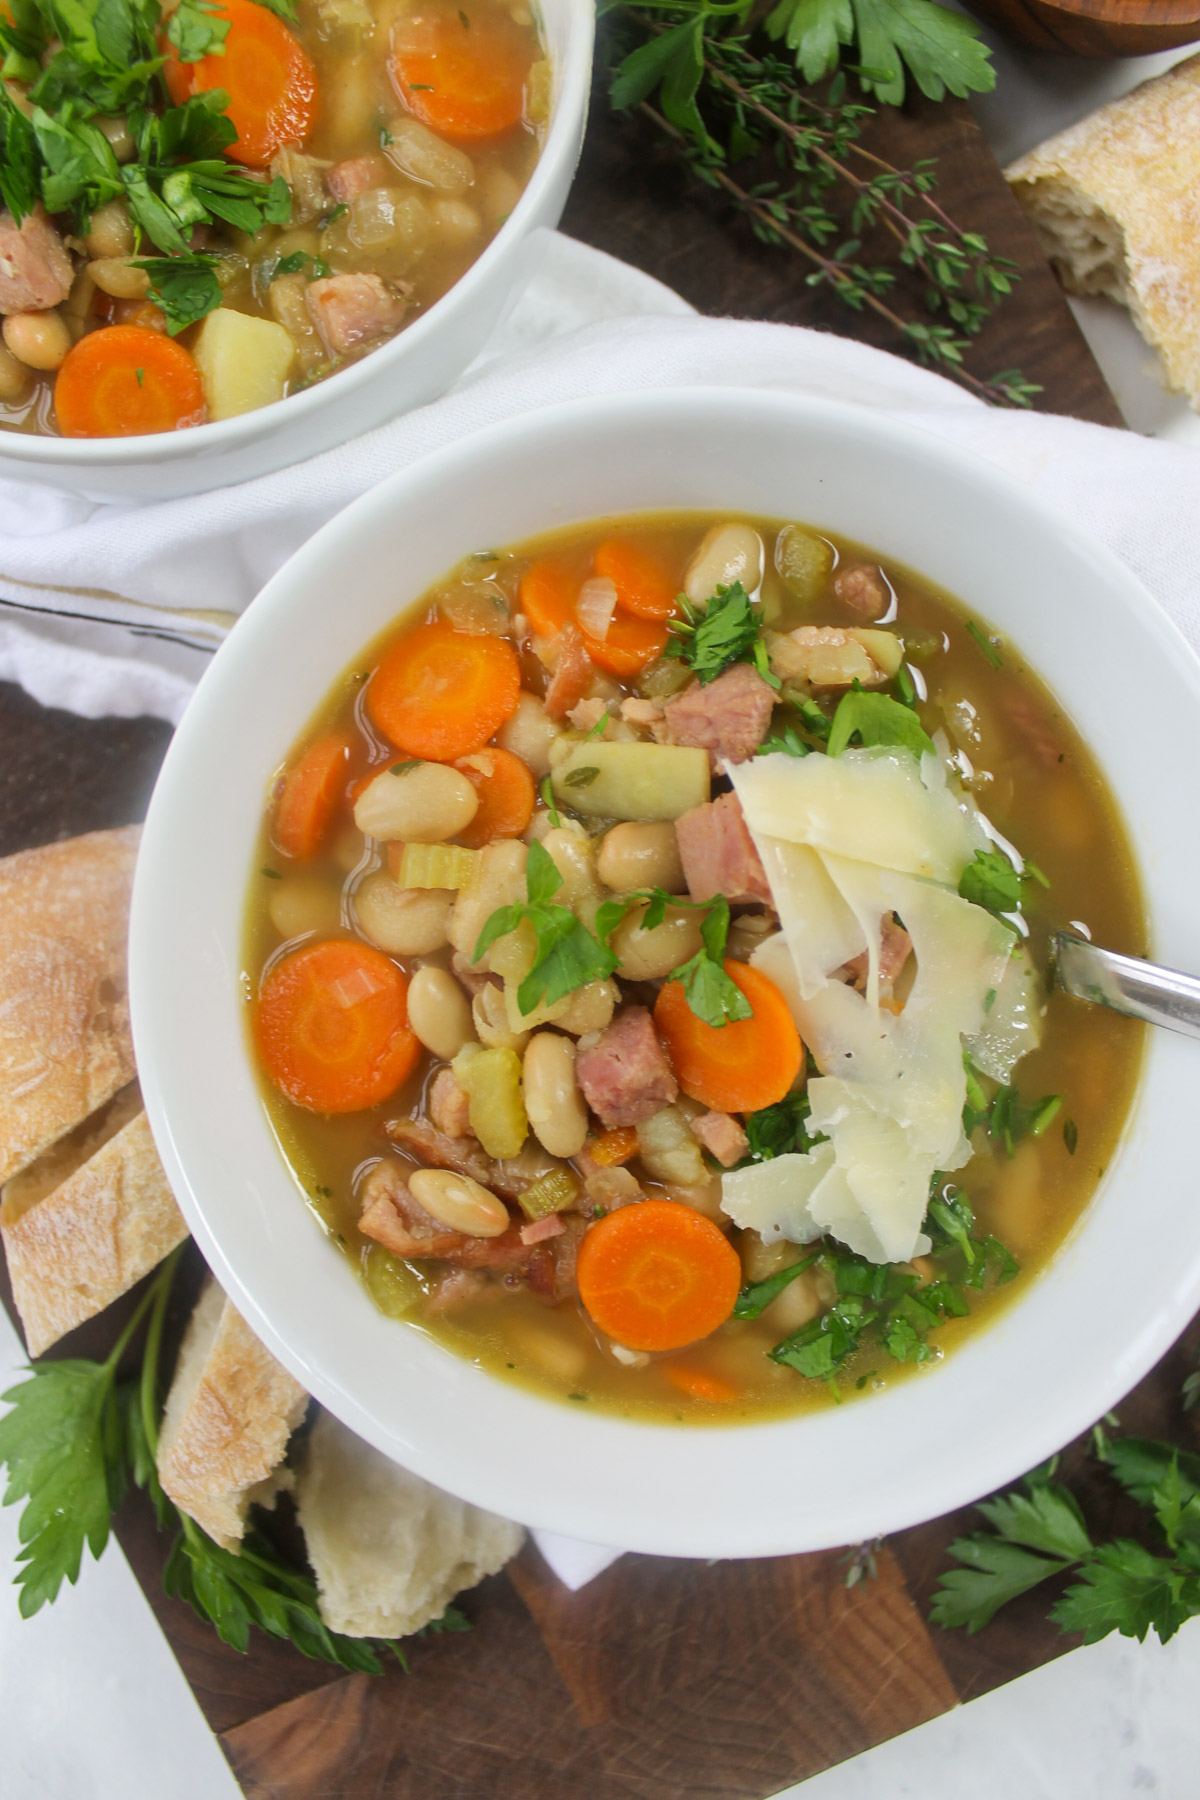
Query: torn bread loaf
[[86, 1221], [388, 1550], [65, 1047], [227, 1421], [1115, 201]]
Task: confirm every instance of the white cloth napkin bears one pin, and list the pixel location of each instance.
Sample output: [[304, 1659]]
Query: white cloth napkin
[[158, 585]]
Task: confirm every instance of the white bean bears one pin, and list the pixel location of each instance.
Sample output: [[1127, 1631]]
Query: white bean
[[38, 339], [112, 232], [120, 138], [459, 1203], [499, 192], [552, 1099], [439, 1015], [388, 219], [727, 554], [14, 376], [647, 955], [402, 921], [454, 222], [424, 805], [425, 157], [636, 855], [529, 733], [499, 881], [301, 904], [113, 275]]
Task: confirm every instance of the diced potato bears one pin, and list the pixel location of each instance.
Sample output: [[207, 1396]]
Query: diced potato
[[632, 781], [668, 1150], [244, 362], [883, 647]]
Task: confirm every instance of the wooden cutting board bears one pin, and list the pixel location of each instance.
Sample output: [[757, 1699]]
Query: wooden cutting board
[[663, 1679]]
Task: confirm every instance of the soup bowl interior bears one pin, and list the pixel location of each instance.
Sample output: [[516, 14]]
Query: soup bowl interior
[[1045, 1367], [413, 368]]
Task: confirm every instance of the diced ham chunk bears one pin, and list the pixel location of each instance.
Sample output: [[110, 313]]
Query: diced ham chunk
[[625, 1076], [349, 310], [894, 950], [574, 672], [354, 176], [722, 1136], [605, 1186], [449, 1105], [429, 1145], [588, 714], [641, 712], [394, 1219], [862, 589], [454, 1289], [35, 270], [538, 1230], [718, 853], [729, 718]]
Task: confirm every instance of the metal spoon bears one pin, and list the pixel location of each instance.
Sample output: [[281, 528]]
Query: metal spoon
[[1127, 984]]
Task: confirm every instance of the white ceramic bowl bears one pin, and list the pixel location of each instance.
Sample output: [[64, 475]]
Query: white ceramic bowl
[[413, 368], [1108, 1306]]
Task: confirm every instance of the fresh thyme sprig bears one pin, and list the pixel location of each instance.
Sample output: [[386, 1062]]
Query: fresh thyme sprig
[[728, 104]]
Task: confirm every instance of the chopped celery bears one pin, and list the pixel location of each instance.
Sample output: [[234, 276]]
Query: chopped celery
[[392, 1285], [492, 1079], [437, 866], [553, 1193]]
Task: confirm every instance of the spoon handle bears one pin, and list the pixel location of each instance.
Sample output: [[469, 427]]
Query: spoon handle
[[1127, 984]]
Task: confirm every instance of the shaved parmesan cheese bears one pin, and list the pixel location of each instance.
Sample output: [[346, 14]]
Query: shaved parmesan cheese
[[772, 1197], [867, 804], [1012, 1023], [846, 843]]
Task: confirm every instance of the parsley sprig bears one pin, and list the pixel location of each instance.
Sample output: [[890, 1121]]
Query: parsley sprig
[[568, 956], [712, 994], [1038, 1531], [74, 1439], [876, 719], [726, 630]]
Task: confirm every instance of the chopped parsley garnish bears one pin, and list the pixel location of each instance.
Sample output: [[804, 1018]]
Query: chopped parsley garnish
[[184, 287], [784, 743], [876, 719], [547, 792], [567, 956], [1070, 1136], [782, 1129], [756, 1296], [196, 29], [992, 882], [986, 644], [712, 995], [728, 630], [950, 1225]]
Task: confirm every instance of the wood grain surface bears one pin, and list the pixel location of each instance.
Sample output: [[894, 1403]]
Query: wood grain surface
[[1098, 28], [663, 1679]]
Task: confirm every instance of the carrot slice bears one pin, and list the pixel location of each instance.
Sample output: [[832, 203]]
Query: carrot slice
[[506, 796], [658, 1275], [124, 381], [631, 644], [742, 1065], [612, 1147], [546, 595], [268, 75], [643, 586], [311, 791], [441, 694], [699, 1384], [332, 1026], [463, 76]]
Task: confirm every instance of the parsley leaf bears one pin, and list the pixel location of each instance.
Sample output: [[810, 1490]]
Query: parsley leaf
[[943, 50], [820, 1348], [992, 882], [711, 993], [782, 1129], [708, 639], [19, 159], [197, 29], [185, 287], [876, 719], [756, 1296], [995, 1572], [785, 743], [567, 956], [1126, 1588]]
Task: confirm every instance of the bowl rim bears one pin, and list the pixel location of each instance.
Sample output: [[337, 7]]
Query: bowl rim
[[571, 92], [505, 1489]]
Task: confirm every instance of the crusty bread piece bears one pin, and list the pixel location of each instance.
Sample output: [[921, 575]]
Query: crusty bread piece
[[1115, 201], [389, 1551], [228, 1417], [65, 1047], [85, 1222]]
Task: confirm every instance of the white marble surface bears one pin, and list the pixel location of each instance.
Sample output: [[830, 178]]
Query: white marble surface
[[94, 1707]]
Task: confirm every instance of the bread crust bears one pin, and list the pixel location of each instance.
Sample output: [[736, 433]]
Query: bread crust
[[388, 1550], [65, 1045], [72, 1252], [1115, 201], [229, 1414]]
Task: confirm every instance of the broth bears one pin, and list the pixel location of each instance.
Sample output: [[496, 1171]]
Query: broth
[[1042, 790]]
